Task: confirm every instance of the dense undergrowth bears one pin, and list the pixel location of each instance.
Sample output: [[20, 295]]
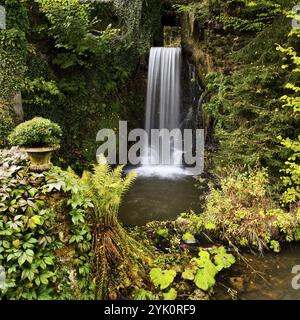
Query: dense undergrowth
[[251, 57], [245, 215], [243, 100], [61, 239], [45, 244]]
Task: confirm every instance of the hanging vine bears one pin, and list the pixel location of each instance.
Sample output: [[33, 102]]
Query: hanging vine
[[141, 20]]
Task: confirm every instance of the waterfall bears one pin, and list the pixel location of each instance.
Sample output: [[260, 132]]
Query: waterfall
[[163, 111], [163, 93]]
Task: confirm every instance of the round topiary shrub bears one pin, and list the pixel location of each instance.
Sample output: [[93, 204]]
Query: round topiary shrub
[[6, 125], [37, 132]]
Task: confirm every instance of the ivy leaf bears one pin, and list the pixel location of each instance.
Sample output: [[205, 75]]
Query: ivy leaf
[[162, 278], [33, 191], [34, 221], [56, 185], [49, 260], [170, 295], [28, 273], [16, 243], [30, 203], [26, 256], [22, 259], [37, 281]]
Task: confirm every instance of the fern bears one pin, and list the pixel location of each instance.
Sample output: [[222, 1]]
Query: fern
[[106, 187], [114, 250]]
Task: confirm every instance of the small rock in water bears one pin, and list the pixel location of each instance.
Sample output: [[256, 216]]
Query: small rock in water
[[237, 283]]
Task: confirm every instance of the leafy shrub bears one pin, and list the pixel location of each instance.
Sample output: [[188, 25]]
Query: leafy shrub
[[203, 269], [244, 213], [196, 273], [6, 125], [291, 180], [36, 132], [45, 243], [235, 15], [246, 124]]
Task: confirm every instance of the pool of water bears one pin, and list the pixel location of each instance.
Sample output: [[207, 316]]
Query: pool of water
[[163, 197], [269, 277], [158, 198]]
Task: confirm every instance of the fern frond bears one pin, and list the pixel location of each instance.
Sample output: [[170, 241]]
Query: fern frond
[[105, 187]]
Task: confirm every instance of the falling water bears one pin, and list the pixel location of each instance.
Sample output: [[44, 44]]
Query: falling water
[[163, 109], [163, 94], [161, 191]]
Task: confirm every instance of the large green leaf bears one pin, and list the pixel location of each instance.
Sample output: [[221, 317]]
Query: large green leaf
[[223, 259], [204, 262], [162, 278], [204, 279]]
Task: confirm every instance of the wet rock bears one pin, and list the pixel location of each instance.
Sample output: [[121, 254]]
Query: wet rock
[[237, 283]]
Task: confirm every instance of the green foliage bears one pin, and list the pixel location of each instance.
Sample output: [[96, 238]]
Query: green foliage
[[222, 259], [141, 20], [73, 31], [105, 188], [247, 117], [40, 92], [6, 125], [142, 294], [245, 214], [83, 73], [291, 180], [13, 49], [117, 255], [188, 237], [178, 273], [16, 14], [191, 224], [234, 15], [275, 246], [40, 258], [170, 295], [162, 278], [12, 62], [37, 132], [203, 270], [163, 232], [244, 82]]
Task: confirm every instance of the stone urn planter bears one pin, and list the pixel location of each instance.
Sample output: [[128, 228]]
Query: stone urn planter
[[40, 158], [39, 137]]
